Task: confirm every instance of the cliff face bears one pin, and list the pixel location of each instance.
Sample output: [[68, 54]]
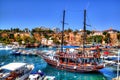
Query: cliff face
[[4, 35], [69, 37], [37, 36], [21, 35], [113, 37]]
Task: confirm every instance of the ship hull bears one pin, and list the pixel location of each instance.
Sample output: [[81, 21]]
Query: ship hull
[[73, 67]]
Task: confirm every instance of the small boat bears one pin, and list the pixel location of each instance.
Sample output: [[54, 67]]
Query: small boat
[[40, 76], [6, 47], [24, 52], [15, 71], [16, 52], [36, 76]]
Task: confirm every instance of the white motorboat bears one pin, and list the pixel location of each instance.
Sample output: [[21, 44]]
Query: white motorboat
[[36, 76], [40, 76], [15, 71], [6, 47]]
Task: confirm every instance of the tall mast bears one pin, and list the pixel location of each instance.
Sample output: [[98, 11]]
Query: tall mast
[[84, 31], [63, 22]]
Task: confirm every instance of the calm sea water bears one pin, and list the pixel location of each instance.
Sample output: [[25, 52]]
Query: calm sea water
[[40, 64]]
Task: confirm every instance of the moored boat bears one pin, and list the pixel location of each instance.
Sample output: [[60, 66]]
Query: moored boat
[[16, 52], [74, 62], [81, 61], [24, 52], [40, 76], [36, 76], [6, 47], [15, 71]]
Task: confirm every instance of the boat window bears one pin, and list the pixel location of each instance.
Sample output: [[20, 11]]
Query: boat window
[[4, 70]]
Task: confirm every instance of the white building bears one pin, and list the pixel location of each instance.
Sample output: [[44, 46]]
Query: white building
[[97, 33], [56, 30], [50, 42], [44, 41]]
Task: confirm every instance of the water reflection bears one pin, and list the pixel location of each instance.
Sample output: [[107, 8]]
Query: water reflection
[[64, 75]]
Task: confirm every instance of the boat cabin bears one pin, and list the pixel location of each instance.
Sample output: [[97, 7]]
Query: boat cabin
[[14, 70]]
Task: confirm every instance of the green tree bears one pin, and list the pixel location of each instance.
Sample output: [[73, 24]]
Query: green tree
[[46, 36], [4, 40], [19, 40], [26, 39], [32, 40], [11, 36], [107, 38], [68, 30], [75, 32], [118, 36], [104, 33], [56, 41], [50, 31], [88, 32], [97, 39], [26, 30], [17, 30]]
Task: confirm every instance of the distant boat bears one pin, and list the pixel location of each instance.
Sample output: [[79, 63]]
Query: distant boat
[[15, 71], [35, 45], [18, 52], [40, 76], [5, 47]]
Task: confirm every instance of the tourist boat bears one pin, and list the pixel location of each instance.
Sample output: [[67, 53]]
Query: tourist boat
[[75, 61], [15, 71]]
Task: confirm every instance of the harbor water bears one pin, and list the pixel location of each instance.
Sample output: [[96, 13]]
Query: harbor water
[[40, 64]]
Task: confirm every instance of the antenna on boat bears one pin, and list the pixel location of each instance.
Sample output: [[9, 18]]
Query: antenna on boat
[[84, 31], [63, 22]]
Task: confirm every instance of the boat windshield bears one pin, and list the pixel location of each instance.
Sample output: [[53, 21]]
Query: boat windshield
[[4, 71]]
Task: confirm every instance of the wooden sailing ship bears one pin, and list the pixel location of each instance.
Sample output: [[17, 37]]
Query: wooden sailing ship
[[75, 61]]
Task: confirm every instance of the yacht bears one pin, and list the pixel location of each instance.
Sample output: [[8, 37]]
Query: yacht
[[15, 71]]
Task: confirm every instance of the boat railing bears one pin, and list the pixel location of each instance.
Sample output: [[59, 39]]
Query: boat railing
[[79, 56]]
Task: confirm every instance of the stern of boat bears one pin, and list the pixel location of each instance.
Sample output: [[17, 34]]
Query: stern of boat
[[100, 66], [30, 67]]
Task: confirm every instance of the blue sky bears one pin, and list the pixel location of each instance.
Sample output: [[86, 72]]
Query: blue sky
[[101, 14]]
